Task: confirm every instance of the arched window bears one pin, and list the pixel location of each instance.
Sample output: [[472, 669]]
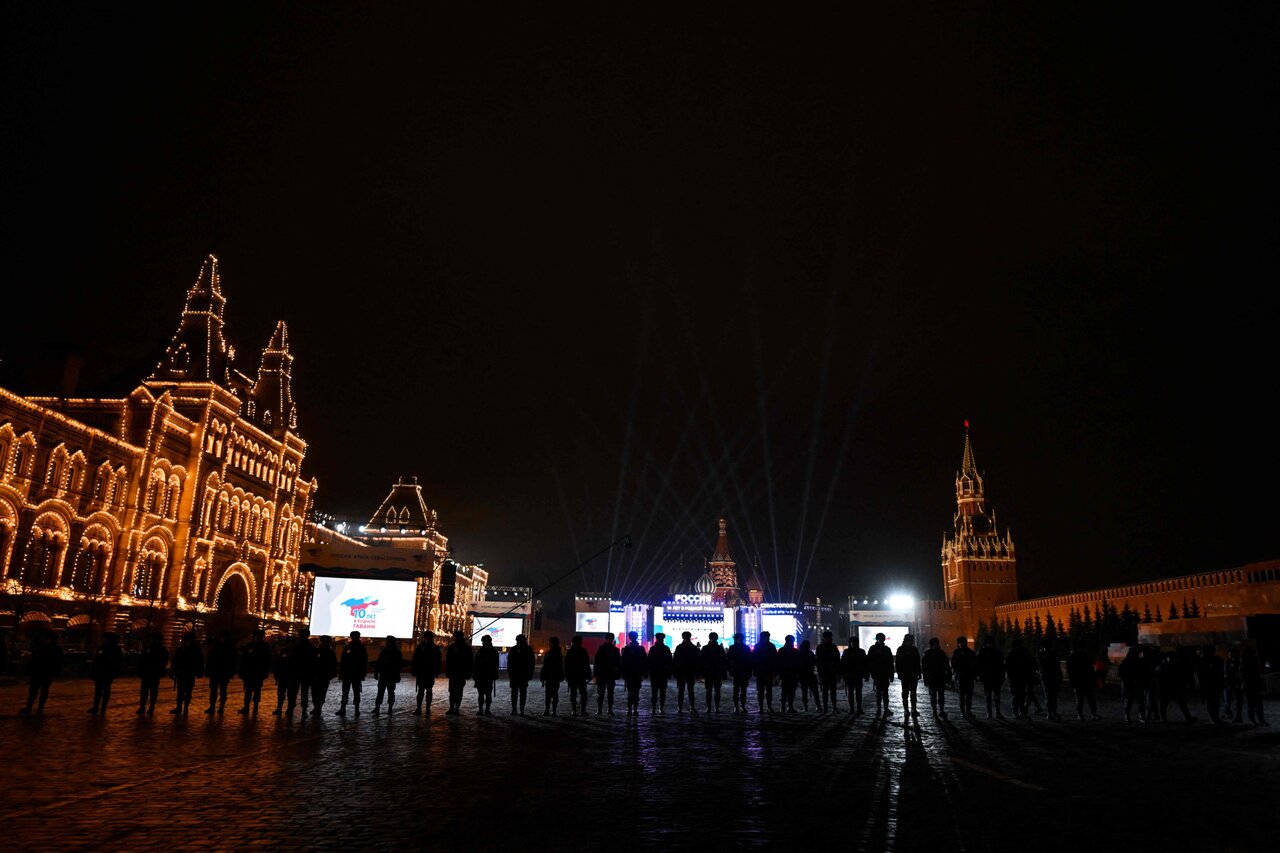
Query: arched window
[[175, 490]]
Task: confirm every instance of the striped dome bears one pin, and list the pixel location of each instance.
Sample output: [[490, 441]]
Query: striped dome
[[705, 585]]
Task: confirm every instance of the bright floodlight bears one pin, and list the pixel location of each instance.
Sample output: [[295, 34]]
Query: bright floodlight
[[901, 602]]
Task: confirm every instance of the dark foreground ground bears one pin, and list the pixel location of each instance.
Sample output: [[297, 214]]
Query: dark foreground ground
[[76, 782]]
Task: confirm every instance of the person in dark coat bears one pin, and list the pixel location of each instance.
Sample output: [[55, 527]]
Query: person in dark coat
[[425, 668], [935, 668], [764, 666], [387, 670], [551, 675], [1172, 677], [326, 670], [485, 674], [1083, 680], [740, 662], [906, 663], [1252, 677], [827, 659], [714, 664], [520, 665], [1050, 678], [880, 666], [788, 673], [990, 666], [634, 665], [1235, 687], [104, 667], [1150, 658], [1211, 673], [280, 671], [188, 665], [607, 666], [577, 671], [964, 667], [459, 663], [685, 662], [807, 676], [353, 667], [1021, 669], [44, 665], [300, 671], [659, 674], [1132, 687], [151, 668], [854, 673], [255, 666], [220, 667]]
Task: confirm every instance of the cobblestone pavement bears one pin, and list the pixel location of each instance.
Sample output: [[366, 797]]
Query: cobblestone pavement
[[79, 782]]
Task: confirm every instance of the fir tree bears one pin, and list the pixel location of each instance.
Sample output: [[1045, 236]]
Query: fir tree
[[1146, 613], [1173, 611], [1195, 610]]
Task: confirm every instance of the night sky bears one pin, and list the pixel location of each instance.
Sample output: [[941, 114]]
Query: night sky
[[587, 274]]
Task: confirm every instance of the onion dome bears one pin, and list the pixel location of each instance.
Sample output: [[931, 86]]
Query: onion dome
[[705, 585]]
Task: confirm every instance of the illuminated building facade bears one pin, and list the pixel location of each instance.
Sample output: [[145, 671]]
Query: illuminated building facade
[[180, 506], [979, 575]]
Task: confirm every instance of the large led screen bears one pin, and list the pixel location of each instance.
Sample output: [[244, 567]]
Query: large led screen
[[503, 631], [779, 625], [673, 627], [893, 635], [593, 622], [375, 608]]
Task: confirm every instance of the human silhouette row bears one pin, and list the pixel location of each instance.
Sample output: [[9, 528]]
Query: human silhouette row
[[303, 671]]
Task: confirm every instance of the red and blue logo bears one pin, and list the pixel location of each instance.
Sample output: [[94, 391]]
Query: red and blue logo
[[359, 606]]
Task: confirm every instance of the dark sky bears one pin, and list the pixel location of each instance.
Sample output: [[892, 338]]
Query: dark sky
[[588, 274]]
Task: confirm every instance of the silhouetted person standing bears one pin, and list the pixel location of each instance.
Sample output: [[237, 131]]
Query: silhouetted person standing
[[659, 673], [326, 671], [714, 663], [827, 660], [43, 666], [964, 666], [788, 673], [188, 665], [935, 668], [684, 665], [740, 662], [1251, 677], [765, 668], [1083, 680], [608, 665], [1021, 668], [220, 667], [353, 666], [300, 671], [485, 674], [425, 667], [807, 676], [1050, 678], [634, 664], [1131, 684], [459, 663], [990, 664], [151, 667], [577, 672], [387, 669], [551, 674], [1235, 687], [255, 666], [909, 668], [520, 665], [280, 672], [1212, 675], [880, 666], [854, 672], [103, 669], [1171, 675]]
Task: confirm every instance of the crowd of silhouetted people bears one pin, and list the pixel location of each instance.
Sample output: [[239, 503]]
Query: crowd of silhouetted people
[[1153, 682]]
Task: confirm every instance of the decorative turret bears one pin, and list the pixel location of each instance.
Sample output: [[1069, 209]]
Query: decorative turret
[[270, 402], [198, 352], [405, 509], [722, 568], [979, 566]]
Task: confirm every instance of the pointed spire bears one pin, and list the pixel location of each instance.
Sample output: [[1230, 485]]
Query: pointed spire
[[968, 466], [272, 393], [198, 352], [721, 554]]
